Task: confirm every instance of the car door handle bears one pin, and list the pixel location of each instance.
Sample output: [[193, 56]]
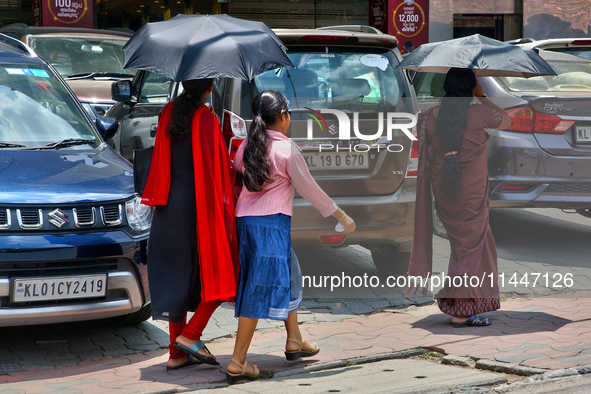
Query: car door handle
[[153, 129]]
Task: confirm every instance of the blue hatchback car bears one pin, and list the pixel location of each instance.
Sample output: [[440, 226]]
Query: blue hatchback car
[[73, 236]]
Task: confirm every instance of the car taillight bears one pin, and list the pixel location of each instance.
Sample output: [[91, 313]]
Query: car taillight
[[522, 119], [233, 126], [324, 38], [413, 161], [581, 42], [551, 124], [332, 239], [234, 145], [527, 120]]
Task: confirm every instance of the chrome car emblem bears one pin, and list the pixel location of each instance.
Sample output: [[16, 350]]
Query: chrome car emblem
[[333, 129], [58, 218]]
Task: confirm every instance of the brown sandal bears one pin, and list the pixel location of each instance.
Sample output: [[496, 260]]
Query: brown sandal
[[234, 378], [297, 354]]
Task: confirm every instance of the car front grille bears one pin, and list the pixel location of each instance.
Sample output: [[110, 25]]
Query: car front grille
[[577, 188], [52, 218], [57, 268]]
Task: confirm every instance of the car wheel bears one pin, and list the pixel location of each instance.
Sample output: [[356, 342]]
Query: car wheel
[[437, 225], [389, 261], [136, 317], [585, 212]]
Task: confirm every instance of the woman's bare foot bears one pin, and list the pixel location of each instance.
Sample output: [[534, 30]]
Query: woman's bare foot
[[234, 369], [459, 319], [189, 342], [175, 362], [291, 346]]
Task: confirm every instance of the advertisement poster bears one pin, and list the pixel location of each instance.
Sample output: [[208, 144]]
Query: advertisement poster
[[408, 20], [64, 13], [378, 13]]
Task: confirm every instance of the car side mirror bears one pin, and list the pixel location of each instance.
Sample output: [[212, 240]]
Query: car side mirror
[[107, 127], [121, 91]]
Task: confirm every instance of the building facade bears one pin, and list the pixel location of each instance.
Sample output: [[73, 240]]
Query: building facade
[[500, 19]]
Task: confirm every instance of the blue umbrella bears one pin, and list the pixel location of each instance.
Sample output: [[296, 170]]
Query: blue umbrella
[[206, 46], [486, 56]]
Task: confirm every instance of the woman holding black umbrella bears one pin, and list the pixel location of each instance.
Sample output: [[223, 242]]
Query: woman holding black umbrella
[[193, 257], [453, 161]]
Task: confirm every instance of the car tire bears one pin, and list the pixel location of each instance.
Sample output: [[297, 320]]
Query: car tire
[[437, 225], [389, 261], [585, 212], [136, 317]]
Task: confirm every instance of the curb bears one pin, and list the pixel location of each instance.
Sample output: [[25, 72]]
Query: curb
[[509, 368], [351, 361], [532, 381], [296, 371]]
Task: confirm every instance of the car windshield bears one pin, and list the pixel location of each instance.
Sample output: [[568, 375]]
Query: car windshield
[[79, 55], [571, 77], [36, 109], [325, 77]]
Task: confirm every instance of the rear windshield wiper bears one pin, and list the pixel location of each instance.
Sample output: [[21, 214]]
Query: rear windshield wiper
[[116, 76], [65, 143], [8, 145]]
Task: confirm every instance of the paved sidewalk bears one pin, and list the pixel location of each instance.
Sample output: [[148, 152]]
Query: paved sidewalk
[[546, 332]]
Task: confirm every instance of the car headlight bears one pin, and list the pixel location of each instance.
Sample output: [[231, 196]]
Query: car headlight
[[139, 216]]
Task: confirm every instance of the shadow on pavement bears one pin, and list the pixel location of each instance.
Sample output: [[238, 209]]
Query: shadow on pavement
[[504, 322]]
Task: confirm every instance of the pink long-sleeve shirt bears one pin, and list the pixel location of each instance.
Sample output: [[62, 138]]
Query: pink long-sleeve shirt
[[288, 170]]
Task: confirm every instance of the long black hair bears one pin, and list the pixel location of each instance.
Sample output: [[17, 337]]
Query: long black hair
[[267, 106], [185, 105], [451, 124]]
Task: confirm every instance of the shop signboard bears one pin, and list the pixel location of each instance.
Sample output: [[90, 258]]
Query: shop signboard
[[407, 20], [64, 13]]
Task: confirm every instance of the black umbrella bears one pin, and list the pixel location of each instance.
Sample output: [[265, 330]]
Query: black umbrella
[[486, 56], [206, 46]]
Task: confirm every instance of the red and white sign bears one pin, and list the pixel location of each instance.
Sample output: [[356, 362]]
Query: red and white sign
[[65, 13], [409, 22]]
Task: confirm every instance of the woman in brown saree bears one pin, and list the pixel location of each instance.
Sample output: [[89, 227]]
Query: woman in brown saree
[[453, 166]]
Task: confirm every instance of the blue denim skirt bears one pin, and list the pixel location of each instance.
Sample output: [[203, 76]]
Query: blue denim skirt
[[265, 289]]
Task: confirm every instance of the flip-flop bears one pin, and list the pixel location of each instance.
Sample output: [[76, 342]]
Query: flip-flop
[[243, 376], [297, 354], [190, 362], [473, 321], [193, 350]]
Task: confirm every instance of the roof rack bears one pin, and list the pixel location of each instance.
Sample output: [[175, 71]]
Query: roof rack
[[352, 28], [17, 44]]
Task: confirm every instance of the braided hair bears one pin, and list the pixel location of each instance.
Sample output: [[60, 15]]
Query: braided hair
[[267, 106], [459, 88]]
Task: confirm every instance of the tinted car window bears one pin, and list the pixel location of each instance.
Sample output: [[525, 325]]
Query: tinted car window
[[324, 76], [155, 89], [572, 77], [73, 55], [35, 108]]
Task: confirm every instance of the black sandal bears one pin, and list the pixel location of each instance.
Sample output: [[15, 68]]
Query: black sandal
[[473, 321]]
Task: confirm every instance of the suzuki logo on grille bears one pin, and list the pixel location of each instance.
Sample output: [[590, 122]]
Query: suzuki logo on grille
[[333, 129], [57, 217]]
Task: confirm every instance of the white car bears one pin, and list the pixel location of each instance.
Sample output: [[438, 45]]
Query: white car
[[573, 46]]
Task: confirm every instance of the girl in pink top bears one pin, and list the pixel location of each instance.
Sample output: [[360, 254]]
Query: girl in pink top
[[272, 167]]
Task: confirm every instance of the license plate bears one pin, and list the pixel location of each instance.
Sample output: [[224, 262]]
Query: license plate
[[583, 134], [44, 289], [336, 160]]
